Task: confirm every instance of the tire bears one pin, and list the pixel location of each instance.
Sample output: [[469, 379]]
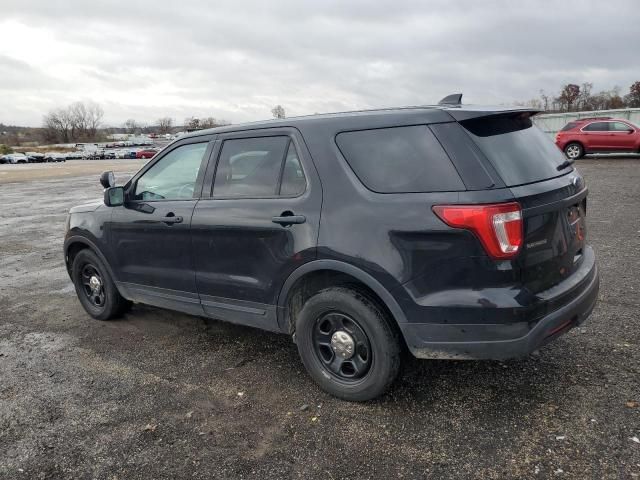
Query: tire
[[375, 347], [87, 265], [574, 151]]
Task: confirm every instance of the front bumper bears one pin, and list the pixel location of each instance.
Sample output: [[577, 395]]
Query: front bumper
[[505, 340]]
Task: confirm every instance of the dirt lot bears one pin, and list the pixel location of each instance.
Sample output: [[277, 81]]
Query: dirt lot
[[163, 395], [72, 168]]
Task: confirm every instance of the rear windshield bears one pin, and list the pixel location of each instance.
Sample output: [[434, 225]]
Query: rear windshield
[[569, 126], [399, 159], [519, 151]]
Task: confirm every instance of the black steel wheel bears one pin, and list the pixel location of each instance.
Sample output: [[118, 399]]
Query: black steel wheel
[[342, 346], [95, 289], [347, 343], [92, 285]]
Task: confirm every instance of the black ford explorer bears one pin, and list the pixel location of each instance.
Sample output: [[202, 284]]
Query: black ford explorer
[[454, 232]]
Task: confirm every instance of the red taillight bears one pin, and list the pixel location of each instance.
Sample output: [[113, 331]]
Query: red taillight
[[498, 226]]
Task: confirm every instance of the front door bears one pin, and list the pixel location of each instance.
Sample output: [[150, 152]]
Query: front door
[[596, 136], [259, 224], [150, 233]]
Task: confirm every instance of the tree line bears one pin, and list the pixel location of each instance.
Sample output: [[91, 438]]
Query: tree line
[[580, 98], [79, 121]]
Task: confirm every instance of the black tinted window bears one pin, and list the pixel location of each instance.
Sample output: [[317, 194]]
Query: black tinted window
[[517, 149], [597, 127], [252, 167], [401, 159], [293, 181]]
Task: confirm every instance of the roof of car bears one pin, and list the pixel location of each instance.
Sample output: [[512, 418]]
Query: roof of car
[[456, 112]]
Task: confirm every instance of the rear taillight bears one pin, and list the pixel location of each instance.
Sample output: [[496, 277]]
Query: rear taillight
[[498, 226]]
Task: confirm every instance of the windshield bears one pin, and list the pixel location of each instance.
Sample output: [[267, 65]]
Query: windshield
[[518, 150]]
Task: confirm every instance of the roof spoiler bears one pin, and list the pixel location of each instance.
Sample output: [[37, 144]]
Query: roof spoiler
[[453, 99]]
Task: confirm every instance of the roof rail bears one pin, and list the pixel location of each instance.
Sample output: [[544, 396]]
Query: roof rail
[[453, 99], [592, 118]]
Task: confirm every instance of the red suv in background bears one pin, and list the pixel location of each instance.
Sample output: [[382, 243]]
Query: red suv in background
[[603, 134], [148, 153]]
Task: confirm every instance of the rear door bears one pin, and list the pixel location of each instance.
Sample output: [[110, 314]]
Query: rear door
[[621, 136], [553, 199], [257, 221]]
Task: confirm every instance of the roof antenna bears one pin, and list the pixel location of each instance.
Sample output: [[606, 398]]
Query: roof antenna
[[453, 99]]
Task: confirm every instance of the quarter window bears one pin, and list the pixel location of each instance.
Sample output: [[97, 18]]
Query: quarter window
[[399, 159], [293, 181], [258, 167], [619, 127], [174, 176]]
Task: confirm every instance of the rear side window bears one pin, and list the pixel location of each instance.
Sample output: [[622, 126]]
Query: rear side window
[[518, 150], [597, 127], [569, 126], [399, 159]]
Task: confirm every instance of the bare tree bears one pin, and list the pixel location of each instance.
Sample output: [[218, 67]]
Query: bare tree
[[211, 122], [192, 123], [165, 124], [78, 116], [278, 111], [632, 99], [95, 113], [131, 126], [545, 99], [58, 122]]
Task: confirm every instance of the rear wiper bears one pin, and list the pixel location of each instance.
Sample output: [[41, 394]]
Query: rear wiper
[[565, 164]]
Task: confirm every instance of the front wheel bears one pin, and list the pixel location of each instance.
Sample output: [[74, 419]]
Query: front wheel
[[347, 344], [574, 151], [95, 289]]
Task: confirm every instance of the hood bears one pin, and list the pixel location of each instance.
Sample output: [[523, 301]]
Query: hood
[[87, 207]]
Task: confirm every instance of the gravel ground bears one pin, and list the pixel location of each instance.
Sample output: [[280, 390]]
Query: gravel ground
[[163, 395]]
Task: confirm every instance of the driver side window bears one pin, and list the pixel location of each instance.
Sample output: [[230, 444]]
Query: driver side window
[[174, 176]]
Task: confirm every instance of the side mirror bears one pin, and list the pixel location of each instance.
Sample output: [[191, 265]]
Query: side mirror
[[114, 196], [631, 130], [107, 179]]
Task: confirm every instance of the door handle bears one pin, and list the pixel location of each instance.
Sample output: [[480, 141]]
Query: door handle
[[288, 218], [169, 220]]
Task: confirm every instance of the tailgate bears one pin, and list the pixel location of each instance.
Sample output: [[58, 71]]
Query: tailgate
[[554, 230]]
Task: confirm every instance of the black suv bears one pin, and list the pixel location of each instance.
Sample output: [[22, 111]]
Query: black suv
[[449, 231]]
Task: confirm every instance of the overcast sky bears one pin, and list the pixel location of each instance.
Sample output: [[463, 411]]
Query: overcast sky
[[145, 59]]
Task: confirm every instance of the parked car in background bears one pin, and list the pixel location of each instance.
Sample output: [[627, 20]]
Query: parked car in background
[[76, 155], [598, 135], [146, 153], [15, 158], [109, 155], [474, 224], [55, 157], [35, 157]]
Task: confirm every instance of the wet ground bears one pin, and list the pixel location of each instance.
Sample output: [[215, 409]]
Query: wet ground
[[163, 395]]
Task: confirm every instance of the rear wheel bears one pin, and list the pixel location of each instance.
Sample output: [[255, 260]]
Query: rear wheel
[[95, 288], [347, 344], [574, 151]]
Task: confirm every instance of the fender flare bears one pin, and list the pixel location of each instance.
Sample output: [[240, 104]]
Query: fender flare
[[337, 266], [75, 239]]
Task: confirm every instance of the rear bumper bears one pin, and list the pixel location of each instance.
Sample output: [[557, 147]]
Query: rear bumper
[[508, 340]]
